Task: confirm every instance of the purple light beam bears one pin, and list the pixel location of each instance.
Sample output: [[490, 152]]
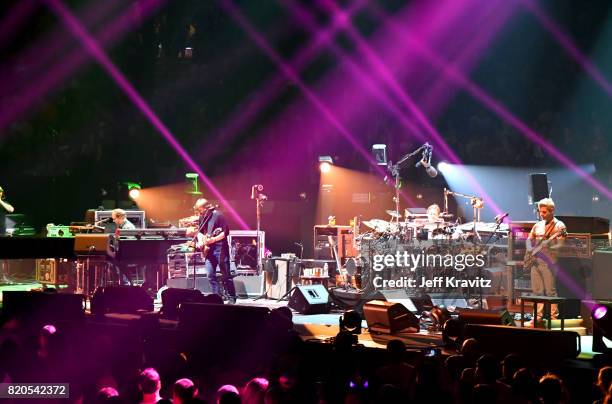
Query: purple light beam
[[388, 78], [566, 43], [230, 7], [245, 113], [495, 106], [92, 47], [34, 91]]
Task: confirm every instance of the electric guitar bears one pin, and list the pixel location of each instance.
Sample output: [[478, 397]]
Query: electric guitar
[[203, 239], [531, 256]]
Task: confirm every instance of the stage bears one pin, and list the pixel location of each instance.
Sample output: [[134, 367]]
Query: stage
[[322, 328]]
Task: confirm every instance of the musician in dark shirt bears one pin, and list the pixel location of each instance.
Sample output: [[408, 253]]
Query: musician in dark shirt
[[212, 239]]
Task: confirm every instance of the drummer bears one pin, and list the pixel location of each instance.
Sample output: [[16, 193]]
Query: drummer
[[433, 214]]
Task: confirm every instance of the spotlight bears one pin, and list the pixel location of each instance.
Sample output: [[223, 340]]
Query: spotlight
[[443, 167], [379, 151], [325, 163], [134, 193], [133, 189], [602, 328], [350, 322]]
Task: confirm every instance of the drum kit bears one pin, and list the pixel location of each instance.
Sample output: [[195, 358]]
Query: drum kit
[[413, 227]]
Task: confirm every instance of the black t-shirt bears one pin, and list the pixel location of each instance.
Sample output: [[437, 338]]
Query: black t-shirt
[[216, 220]]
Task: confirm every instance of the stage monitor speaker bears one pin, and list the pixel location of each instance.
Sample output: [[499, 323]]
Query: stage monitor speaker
[[248, 285], [493, 317], [388, 318], [278, 281], [36, 308], [94, 244], [573, 285], [538, 346], [310, 299], [538, 187], [600, 282], [120, 299], [400, 296], [202, 284], [172, 298]]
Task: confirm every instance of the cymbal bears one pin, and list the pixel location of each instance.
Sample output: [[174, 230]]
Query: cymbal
[[394, 213], [381, 226]]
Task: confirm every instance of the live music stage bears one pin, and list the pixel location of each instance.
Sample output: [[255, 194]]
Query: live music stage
[[191, 186]]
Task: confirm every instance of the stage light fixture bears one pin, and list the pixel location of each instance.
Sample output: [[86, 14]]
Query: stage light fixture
[[602, 318], [325, 164], [133, 189], [602, 328], [439, 315], [192, 179], [134, 193], [379, 151], [350, 322]]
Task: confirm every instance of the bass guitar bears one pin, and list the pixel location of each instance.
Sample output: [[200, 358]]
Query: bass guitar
[[531, 257]]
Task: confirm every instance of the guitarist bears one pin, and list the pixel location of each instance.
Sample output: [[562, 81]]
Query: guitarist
[[214, 228], [550, 232]]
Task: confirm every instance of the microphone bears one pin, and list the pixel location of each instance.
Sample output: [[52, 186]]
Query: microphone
[[432, 172], [500, 218], [107, 220]]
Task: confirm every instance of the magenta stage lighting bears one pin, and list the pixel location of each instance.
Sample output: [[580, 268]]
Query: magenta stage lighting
[[570, 47], [387, 77], [498, 108], [31, 93], [94, 49], [245, 113], [600, 312], [290, 73], [602, 328]]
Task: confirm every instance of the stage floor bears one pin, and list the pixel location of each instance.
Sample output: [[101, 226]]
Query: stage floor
[[323, 327]]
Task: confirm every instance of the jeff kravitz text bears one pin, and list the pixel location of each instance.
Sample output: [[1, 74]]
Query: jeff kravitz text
[[404, 260]]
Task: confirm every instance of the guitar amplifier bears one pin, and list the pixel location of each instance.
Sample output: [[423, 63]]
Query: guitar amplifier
[[51, 271], [95, 244], [181, 264], [326, 238]]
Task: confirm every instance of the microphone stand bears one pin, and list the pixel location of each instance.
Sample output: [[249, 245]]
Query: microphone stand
[[259, 200], [394, 169]]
